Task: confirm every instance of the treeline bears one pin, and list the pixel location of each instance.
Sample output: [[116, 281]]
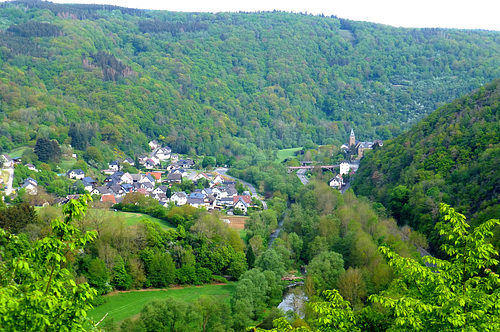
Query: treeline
[[227, 83], [451, 156]]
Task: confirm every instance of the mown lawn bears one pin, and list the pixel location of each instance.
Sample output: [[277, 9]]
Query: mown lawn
[[122, 305], [286, 153]]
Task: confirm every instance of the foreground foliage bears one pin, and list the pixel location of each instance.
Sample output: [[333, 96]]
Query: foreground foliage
[[37, 290], [458, 294]]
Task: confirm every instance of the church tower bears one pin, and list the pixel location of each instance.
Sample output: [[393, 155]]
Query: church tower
[[352, 138]]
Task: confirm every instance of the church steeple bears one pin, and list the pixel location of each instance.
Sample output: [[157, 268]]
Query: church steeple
[[352, 138]]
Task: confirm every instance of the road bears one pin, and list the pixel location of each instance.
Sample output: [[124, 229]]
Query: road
[[301, 173], [223, 172], [8, 188]]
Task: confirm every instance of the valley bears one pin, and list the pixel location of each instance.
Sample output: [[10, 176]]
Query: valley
[[175, 171]]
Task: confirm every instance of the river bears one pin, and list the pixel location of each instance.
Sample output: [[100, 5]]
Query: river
[[294, 299]]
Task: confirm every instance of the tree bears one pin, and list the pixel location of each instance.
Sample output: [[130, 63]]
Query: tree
[[38, 291], [325, 268], [215, 314], [461, 293], [208, 161], [94, 154], [47, 150], [170, 314]]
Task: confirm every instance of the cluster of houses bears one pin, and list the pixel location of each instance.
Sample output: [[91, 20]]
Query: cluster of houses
[[219, 194]]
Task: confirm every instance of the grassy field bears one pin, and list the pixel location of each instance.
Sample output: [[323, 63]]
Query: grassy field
[[66, 163], [132, 218], [17, 153], [123, 305], [286, 153]]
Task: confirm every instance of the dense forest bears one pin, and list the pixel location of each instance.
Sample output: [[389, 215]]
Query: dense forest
[[451, 156], [222, 83]]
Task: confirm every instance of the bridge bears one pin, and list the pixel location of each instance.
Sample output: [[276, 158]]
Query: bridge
[[329, 167]]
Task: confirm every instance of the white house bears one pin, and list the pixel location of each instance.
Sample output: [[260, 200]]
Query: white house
[[242, 205], [180, 198], [76, 174], [115, 165], [162, 153], [7, 161], [344, 168], [336, 181], [154, 144]]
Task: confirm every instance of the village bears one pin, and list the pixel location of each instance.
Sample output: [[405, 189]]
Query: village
[[209, 190], [165, 176]]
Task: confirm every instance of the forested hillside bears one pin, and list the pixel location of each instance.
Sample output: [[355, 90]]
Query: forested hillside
[[222, 83], [451, 156]]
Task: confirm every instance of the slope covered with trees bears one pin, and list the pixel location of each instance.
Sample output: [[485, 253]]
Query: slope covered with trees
[[221, 83], [452, 156]]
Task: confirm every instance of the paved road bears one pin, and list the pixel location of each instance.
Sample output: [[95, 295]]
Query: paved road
[[223, 171], [301, 173]]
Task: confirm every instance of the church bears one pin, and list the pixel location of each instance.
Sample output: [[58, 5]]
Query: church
[[359, 146]]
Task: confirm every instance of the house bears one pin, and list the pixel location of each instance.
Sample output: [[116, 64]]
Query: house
[[215, 181], [155, 175], [160, 190], [88, 183], [198, 177], [344, 168], [179, 198], [162, 153], [185, 163], [225, 201], [181, 171], [127, 178], [108, 198], [7, 161], [31, 167], [174, 178], [242, 205], [148, 179], [76, 174], [154, 144], [246, 198], [114, 165], [129, 161], [127, 187], [149, 164], [30, 185], [336, 181], [102, 190], [195, 202]]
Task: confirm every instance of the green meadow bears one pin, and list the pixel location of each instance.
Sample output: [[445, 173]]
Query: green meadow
[[286, 153], [126, 304]]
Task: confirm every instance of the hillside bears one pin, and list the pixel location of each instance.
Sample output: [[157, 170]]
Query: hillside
[[451, 156], [222, 83]]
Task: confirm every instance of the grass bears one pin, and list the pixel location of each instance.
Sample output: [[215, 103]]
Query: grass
[[123, 305], [132, 218], [18, 152], [66, 163], [286, 153]]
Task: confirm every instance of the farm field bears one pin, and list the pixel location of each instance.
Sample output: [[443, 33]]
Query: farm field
[[126, 304]]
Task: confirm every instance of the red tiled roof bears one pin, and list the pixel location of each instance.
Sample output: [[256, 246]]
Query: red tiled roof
[[247, 199], [108, 198]]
